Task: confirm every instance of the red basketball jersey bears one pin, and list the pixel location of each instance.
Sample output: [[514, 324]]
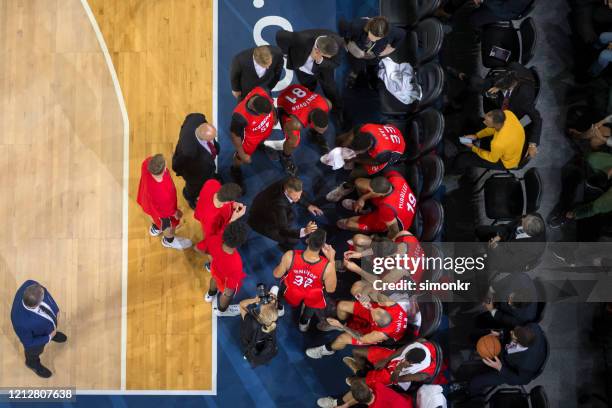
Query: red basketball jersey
[[401, 201], [415, 251], [259, 127], [304, 281], [387, 138], [298, 101]]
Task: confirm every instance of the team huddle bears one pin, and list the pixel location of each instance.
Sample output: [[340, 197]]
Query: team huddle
[[384, 325]]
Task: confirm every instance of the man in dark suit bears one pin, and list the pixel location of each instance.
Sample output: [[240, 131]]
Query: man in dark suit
[[514, 90], [259, 66], [522, 233], [272, 212], [523, 353], [314, 55], [195, 154], [35, 317], [511, 303], [521, 358]]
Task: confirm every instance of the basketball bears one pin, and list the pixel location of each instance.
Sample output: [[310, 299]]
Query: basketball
[[488, 346]]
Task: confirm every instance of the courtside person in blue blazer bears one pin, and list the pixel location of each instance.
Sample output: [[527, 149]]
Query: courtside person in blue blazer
[[35, 316]]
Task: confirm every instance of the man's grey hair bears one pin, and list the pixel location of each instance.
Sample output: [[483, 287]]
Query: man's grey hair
[[327, 45]]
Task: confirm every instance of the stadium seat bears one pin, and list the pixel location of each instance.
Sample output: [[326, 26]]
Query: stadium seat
[[404, 13], [504, 35], [431, 172], [427, 7], [430, 307], [517, 397], [429, 220], [508, 197], [431, 79], [424, 133], [430, 37]]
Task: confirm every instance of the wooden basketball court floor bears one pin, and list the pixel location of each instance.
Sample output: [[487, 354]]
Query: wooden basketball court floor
[[79, 111]]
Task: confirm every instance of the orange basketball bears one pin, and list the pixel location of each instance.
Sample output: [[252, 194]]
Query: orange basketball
[[488, 346]]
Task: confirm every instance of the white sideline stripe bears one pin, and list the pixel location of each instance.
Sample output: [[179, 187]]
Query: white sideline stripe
[[124, 255], [215, 93], [126, 170]]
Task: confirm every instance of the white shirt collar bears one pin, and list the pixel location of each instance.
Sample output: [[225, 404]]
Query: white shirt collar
[[261, 71], [203, 143], [39, 312], [288, 198]]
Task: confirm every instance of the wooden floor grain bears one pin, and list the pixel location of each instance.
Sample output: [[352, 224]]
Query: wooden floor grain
[[61, 155], [162, 52]]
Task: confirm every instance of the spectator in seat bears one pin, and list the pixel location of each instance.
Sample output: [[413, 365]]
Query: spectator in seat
[[367, 41], [501, 144]]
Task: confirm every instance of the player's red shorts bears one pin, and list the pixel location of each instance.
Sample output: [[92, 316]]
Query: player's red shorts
[[296, 133], [249, 144], [230, 282], [311, 298], [371, 223], [158, 222], [382, 376]]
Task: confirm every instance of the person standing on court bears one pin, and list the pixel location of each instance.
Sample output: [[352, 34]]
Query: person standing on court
[[195, 154], [157, 197], [260, 66], [35, 318], [314, 55], [272, 212]]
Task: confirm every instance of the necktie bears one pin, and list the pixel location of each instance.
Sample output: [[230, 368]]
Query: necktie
[[506, 103], [212, 148], [49, 313]]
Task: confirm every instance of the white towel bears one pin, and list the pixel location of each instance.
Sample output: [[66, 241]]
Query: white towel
[[430, 396], [337, 156]]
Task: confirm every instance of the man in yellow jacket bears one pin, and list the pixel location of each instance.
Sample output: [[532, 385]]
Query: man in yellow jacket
[[501, 143]]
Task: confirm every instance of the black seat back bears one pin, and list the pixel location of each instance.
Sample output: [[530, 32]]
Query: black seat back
[[428, 7], [503, 197], [400, 12], [529, 39], [537, 83], [431, 171], [432, 129], [430, 307], [538, 397], [533, 189], [541, 296], [431, 79], [429, 220], [430, 36]]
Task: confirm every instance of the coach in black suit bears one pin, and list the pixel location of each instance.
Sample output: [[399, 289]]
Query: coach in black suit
[[195, 154], [35, 318], [259, 66], [314, 55], [272, 213], [522, 356]]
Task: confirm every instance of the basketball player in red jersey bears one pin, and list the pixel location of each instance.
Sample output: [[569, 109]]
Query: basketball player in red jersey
[[252, 122], [377, 146], [305, 274], [216, 208], [226, 272], [299, 108], [157, 197], [368, 324], [363, 246], [394, 203]]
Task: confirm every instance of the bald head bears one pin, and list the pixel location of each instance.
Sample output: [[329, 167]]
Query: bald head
[[206, 132], [381, 317]]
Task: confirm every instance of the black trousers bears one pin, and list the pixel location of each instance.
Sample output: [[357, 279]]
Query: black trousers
[[32, 356], [468, 159], [326, 79], [284, 242], [193, 185], [485, 232]]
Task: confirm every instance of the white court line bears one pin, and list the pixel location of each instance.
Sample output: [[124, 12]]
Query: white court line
[[124, 255], [126, 172], [215, 94]]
